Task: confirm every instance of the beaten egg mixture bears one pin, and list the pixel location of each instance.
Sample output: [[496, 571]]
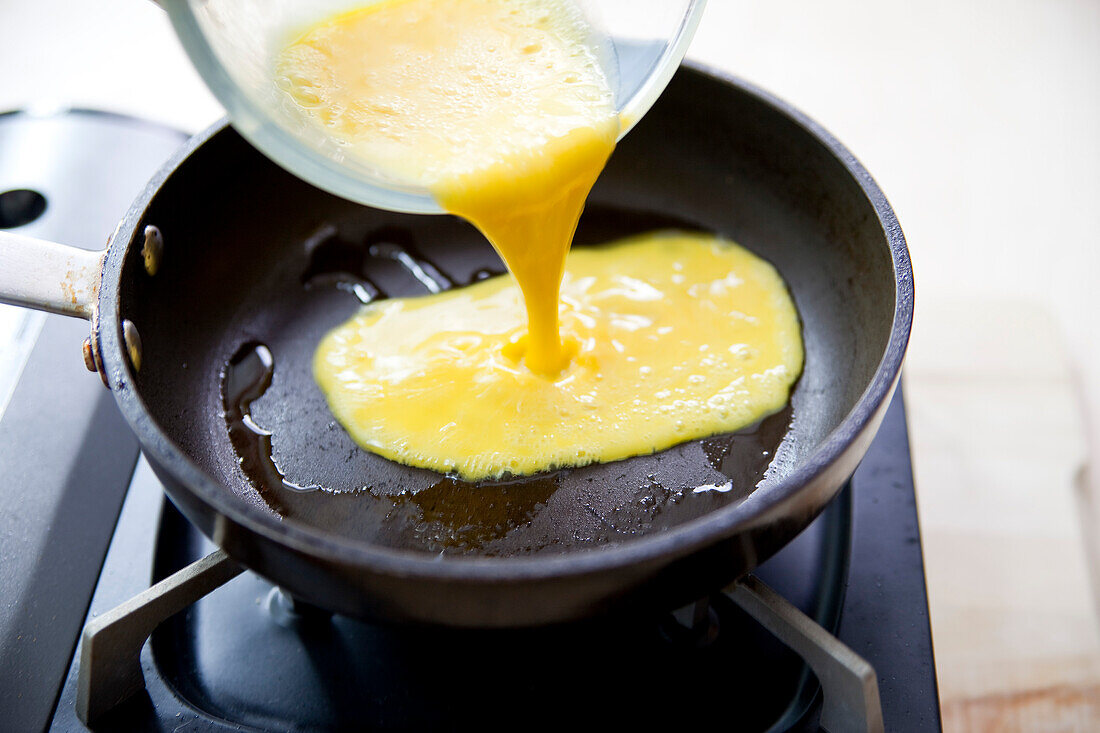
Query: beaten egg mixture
[[502, 110], [672, 337]]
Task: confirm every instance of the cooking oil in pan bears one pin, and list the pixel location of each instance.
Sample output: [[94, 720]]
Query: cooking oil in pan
[[334, 260], [247, 376], [400, 506]]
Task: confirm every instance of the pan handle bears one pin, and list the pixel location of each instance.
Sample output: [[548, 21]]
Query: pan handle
[[48, 276]]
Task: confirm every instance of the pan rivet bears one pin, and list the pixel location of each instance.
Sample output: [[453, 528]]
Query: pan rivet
[[133, 343], [92, 358], [89, 355], [153, 249]]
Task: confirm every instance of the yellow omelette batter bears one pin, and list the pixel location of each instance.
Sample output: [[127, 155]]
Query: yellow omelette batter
[[678, 336], [503, 112]]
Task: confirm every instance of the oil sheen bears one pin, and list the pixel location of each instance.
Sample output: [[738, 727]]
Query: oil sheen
[[672, 337], [500, 109]]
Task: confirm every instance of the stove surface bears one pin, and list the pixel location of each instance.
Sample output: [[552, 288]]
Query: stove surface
[[65, 452]]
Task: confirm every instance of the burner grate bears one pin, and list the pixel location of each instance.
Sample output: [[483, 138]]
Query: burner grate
[[110, 667]]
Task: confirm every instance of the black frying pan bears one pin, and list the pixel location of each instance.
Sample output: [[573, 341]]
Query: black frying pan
[[256, 266]]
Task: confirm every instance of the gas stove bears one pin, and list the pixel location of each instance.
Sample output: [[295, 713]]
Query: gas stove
[[86, 530]]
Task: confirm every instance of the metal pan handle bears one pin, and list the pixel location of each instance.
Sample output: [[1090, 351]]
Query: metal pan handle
[[48, 276]]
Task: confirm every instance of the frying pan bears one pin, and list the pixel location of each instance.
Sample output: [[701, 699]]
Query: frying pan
[[216, 287]]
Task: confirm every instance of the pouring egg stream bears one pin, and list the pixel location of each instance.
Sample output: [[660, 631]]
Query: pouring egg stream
[[502, 110]]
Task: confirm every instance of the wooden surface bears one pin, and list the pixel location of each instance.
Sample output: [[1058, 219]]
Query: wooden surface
[[995, 419]]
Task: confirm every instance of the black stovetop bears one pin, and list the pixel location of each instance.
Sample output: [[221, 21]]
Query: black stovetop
[[241, 658]]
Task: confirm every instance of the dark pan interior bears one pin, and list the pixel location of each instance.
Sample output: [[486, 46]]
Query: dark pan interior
[[253, 256]]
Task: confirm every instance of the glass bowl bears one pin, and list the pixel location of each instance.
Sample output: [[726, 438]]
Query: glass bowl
[[232, 44]]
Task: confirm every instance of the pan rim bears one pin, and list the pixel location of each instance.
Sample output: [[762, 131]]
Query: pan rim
[[663, 547]]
